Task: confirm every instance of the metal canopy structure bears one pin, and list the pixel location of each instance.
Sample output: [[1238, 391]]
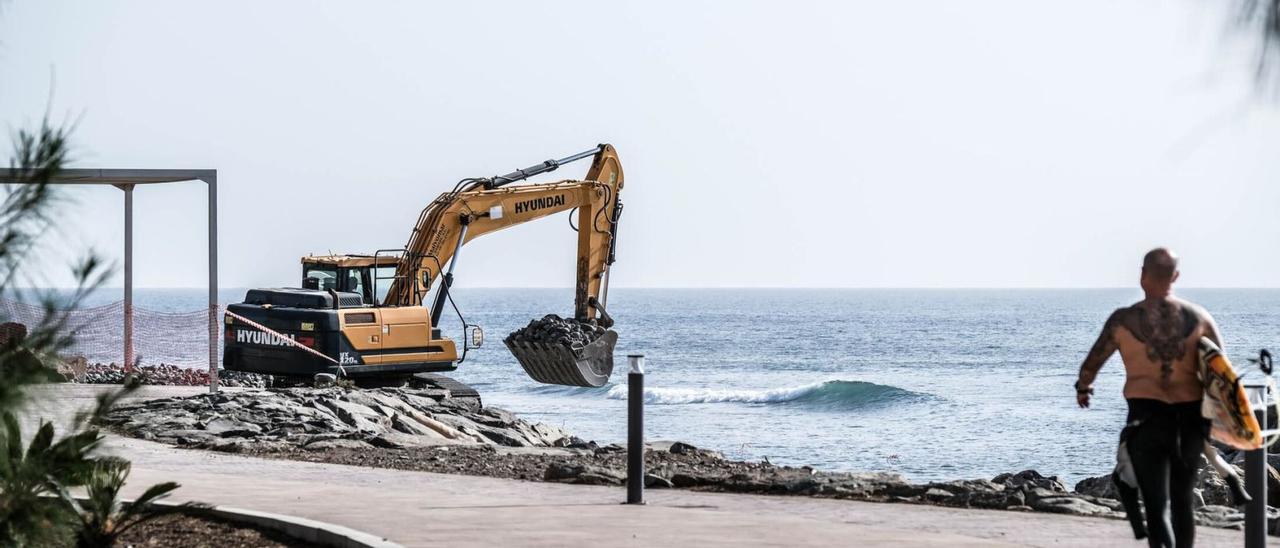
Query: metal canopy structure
[[126, 180]]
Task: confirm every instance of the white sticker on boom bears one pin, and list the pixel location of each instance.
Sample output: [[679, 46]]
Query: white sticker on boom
[[495, 212]]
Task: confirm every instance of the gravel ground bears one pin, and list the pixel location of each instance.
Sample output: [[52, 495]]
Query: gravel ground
[[687, 466], [202, 532]]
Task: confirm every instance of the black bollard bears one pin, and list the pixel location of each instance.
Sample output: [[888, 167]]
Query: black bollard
[[635, 430], [1255, 514], [1255, 480]]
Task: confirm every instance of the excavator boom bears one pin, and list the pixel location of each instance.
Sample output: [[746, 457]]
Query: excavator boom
[[481, 206]]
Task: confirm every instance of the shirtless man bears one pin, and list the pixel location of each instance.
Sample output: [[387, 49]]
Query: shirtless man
[[1157, 339]]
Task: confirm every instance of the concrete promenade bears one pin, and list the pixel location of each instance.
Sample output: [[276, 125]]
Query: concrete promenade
[[424, 509]]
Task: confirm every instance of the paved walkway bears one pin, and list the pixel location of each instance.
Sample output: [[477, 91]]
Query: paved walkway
[[421, 509]]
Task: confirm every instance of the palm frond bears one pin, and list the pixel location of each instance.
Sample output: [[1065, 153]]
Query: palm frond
[[13, 436], [152, 494], [1263, 17], [41, 442], [103, 518]]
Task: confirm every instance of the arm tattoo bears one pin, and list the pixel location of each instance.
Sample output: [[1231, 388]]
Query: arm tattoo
[[1102, 349]]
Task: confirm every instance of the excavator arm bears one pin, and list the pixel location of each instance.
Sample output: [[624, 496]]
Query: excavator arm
[[483, 205]]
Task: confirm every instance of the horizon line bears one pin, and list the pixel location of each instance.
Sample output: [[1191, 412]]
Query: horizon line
[[744, 287]]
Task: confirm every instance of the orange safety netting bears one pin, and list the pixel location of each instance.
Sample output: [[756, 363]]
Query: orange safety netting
[[172, 338]]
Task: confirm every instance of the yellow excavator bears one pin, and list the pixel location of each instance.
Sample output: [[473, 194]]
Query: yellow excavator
[[364, 316]]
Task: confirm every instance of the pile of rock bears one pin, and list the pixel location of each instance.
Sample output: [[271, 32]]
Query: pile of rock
[[165, 374], [324, 418], [554, 330]]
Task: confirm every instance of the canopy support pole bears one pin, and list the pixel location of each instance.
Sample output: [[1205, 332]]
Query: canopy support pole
[[212, 181], [128, 276]]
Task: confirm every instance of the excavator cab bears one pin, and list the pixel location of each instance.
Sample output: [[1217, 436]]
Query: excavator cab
[[366, 276]]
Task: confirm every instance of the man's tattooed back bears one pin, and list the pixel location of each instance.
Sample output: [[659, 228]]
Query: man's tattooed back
[[1163, 328]]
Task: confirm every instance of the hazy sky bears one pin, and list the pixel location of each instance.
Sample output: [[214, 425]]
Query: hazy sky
[[850, 144]]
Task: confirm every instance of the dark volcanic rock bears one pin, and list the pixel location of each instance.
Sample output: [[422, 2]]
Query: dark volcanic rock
[[554, 330], [586, 474], [683, 479], [228, 428], [657, 482], [603, 477], [293, 418], [163, 374], [1068, 504], [1030, 478], [681, 448], [1100, 486]]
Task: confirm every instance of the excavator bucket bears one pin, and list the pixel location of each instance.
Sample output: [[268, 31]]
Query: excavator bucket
[[552, 363]]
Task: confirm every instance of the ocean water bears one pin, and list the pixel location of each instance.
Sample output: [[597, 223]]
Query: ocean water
[[934, 384]]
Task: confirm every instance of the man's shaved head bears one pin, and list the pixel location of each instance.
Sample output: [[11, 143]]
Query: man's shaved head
[[1160, 264]]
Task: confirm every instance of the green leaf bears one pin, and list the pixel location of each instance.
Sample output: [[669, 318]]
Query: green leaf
[[152, 494], [13, 435], [42, 441]]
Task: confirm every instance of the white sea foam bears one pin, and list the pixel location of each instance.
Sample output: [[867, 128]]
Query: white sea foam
[[827, 393]]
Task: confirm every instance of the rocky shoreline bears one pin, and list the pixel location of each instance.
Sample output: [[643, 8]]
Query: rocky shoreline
[[77, 370], [429, 429]]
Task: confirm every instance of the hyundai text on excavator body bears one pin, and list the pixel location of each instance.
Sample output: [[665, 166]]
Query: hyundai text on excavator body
[[364, 316]]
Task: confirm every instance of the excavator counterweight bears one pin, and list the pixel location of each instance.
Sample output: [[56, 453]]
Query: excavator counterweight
[[365, 316]]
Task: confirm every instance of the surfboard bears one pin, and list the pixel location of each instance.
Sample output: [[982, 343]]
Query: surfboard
[[1226, 404]]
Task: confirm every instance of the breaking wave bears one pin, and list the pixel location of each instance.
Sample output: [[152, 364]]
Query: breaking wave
[[834, 394]]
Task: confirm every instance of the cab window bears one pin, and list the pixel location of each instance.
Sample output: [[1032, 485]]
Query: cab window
[[325, 277], [386, 276], [355, 283]]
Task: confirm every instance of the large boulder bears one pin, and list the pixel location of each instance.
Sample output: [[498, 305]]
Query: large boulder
[[1068, 504], [1028, 479], [975, 494], [1100, 486], [228, 428], [583, 473]]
